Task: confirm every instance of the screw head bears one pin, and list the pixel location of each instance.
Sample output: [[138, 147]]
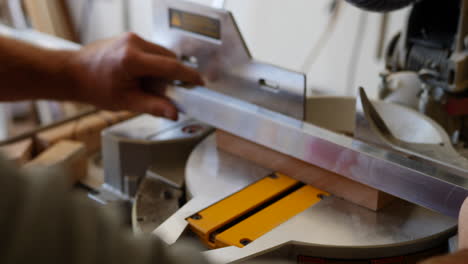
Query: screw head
[[245, 241], [192, 129], [196, 217], [273, 176], [167, 195]]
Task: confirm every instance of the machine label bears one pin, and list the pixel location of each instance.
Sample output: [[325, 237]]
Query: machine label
[[206, 26]]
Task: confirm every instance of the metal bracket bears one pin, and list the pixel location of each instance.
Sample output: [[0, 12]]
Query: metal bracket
[[211, 38]]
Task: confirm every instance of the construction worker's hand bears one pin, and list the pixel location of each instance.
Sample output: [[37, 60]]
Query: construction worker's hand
[[461, 256], [112, 74], [457, 258], [463, 227]]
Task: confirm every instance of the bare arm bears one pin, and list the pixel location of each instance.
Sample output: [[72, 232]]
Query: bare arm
[[108, 74], [28, 72], [461, 256], [45, 223]]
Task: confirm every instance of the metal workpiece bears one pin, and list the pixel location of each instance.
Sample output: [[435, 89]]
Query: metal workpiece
[[332, 228], [148, 146], [421, 183], [209, 40]]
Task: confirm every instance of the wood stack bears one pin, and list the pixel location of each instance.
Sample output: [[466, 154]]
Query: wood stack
[[86, 129], [67, 146], [67, 155]]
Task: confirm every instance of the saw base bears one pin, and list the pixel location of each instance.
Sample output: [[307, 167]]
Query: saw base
[[331, 229]]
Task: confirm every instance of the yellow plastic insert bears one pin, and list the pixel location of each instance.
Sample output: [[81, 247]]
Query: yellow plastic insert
[[262, 222], [250, 213], [218, 215]]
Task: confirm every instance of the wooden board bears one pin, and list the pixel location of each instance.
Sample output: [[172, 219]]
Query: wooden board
[[51, 17], [18, 152], [328, 181], [66, 154], [95, 177], [86, 129], [51, 136]]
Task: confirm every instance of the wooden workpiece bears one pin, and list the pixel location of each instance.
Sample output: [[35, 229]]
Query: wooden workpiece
[[18, 152], [328, 181], [66, 154]]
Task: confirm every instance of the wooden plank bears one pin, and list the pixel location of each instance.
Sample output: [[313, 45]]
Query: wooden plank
[[18, 152], [66, 154], [116, 117], [124, 115], [62, 19], [51, 136], [50, 17], [95, 177], [38, 16], [86, 129], [328, 181], [110, 117]]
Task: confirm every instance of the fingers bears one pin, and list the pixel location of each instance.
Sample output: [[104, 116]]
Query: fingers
[[456, 258], [148, 65], [141, 58], [156, 49], [143, 103], [134, 41], [463, 226]]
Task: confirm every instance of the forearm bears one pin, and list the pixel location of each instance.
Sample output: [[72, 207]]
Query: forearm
[[108, 74], [30, 72]]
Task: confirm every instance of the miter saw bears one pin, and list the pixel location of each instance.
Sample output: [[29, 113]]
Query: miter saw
[[185, 181]]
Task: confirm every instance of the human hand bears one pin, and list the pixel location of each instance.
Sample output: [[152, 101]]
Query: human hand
[[457, 258], [463, 226], [111, 74], [461, 256]]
